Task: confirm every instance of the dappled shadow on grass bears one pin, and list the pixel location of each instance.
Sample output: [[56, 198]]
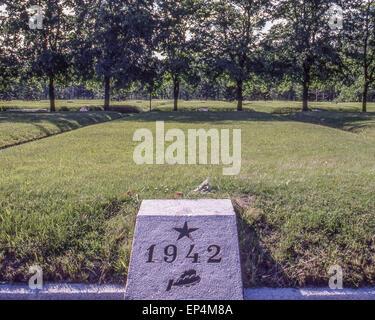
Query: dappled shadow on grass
[[347, 121], [58, 118], [66, 121], [48, 124], [202, 117]]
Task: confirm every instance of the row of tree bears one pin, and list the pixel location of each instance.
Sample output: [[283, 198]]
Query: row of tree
[[121, 42]]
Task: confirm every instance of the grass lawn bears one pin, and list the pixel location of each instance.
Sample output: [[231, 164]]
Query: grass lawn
[[167, 105], [76, 105], [353, 122], [17, 128], [305, 196]]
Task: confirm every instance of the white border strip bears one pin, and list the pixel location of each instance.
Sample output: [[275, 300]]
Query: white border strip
[[116, 292], [309, 294], [63, 292]]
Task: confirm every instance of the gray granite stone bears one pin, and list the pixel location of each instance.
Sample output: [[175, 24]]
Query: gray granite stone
[[185, 250]]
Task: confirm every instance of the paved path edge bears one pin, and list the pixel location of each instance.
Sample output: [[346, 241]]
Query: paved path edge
[[116, 292]]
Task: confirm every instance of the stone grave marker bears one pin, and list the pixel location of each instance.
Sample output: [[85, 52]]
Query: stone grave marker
[[185, 250]]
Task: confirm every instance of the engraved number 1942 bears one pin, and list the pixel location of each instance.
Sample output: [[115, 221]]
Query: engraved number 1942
[[171, 254]]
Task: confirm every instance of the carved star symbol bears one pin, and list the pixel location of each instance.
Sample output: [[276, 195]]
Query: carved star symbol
[[185, 231]]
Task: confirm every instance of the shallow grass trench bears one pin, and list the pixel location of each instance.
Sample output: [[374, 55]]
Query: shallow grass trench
[[305, 199], [18, 128]]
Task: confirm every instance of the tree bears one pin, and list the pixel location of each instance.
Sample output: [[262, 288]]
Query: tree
[[118, 35], [45, 29], [151, 76], [302, 36], [9, 62], [179, 41], [83, 52], [360, 42], [236, 38]]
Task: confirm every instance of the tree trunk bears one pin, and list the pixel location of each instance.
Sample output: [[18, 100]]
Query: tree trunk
[[107, 87], [306, 86], [52, 94], [150, 100], [305, 96], [176, 91], [239, 95], [364, 97]]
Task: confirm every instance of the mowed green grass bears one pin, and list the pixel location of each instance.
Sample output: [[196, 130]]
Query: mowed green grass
[[17, 128], [75, 105], [346, 116], [305, 199], [167, 105], [360, 123]]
